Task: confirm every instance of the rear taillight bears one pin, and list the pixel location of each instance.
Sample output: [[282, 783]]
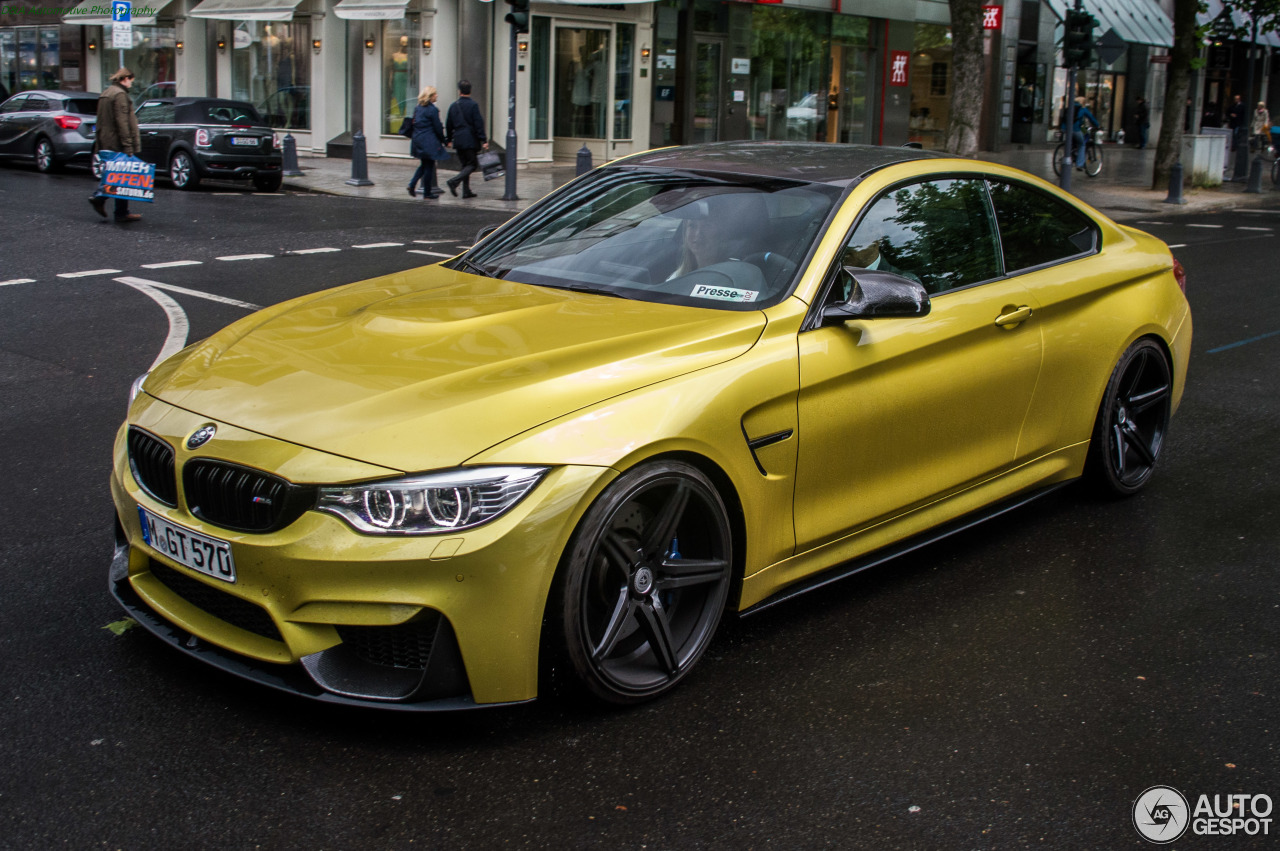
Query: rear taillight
[[275, 140], [1180, 275], [68, 122], [202, 138]]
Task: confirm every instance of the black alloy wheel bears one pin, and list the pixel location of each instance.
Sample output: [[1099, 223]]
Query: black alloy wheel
[[95, 165], [644, 582], [182, 171], [44, 156], [1131, 425]]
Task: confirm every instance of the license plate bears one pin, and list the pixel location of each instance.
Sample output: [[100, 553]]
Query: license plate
[[244, 140], [198, 552]]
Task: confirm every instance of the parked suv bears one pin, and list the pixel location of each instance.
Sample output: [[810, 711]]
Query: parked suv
[[51, 127], [195, 138]]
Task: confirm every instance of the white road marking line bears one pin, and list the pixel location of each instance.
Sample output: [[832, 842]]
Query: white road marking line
[[143, 282], [268, 194], [223, 194], [17, 281], [1179, 245], [1205, 226], [380, 245], [178, 324], [313, 250], [430, 253], [1242, 227], [1151, 223], [246, 257], [431, 241], [171, 264], [89, 273]]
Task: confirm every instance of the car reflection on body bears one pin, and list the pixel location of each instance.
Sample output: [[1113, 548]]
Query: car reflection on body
[[694, 381], [51, 128]]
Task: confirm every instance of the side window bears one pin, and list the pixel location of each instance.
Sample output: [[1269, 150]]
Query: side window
[[940, 233], [155, 113], [1036, 228], [35, 104], [15, 104]]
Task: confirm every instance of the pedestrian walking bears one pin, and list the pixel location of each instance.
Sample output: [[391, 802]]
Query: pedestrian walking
[[427, 143], [1260, 129], [1142, 119], [117, 130], [1237, 120], [464, 130]]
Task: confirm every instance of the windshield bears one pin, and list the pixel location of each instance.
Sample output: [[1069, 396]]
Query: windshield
[[711, 240]]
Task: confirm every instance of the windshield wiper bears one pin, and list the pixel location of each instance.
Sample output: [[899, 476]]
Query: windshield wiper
[[475, 267], [587, 288]]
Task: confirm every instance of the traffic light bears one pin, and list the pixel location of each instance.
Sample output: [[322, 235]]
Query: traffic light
[[518, 17], [1077, 38]]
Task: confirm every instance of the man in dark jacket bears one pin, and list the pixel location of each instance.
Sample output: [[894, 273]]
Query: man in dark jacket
[[464, 130], [1142, 121], [117, 130]]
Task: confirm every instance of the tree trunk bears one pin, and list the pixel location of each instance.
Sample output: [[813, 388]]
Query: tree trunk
[[1185, 47], [967, 88]]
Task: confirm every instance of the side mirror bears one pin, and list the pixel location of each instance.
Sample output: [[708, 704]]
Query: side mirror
[[485, 231], [878, 295]]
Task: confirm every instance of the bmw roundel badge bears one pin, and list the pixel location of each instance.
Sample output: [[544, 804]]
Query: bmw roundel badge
[[202, 436]]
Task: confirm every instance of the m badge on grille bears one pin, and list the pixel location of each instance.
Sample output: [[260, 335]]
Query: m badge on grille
[[201, 436]]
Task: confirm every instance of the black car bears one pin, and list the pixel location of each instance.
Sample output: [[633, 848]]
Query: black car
[[195, 138], [50, 127]]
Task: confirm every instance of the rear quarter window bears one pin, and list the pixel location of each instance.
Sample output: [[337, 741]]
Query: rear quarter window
[[221, 112], [82, 106], [1037, 229]]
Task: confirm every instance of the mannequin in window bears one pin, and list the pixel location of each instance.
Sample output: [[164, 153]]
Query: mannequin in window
[[582, 94], [398, 81]]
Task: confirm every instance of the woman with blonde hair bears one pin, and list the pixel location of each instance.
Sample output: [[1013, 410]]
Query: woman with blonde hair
[[428, 142]]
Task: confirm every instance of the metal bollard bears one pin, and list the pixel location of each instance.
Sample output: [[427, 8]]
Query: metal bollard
[[1255, 177], [1241, 165], [290, 148], [584, 160], [359, 162], [1175, 185]]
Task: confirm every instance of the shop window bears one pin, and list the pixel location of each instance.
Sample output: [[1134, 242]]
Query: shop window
[[930, 82], [540, 79], [152, 59], [50, 67], [399, 72], [790, 82], [626, 34], [271, 69], [28, 69], [582, 82], [9, 60]]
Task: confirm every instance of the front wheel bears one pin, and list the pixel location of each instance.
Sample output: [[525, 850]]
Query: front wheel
[[1129, 432], [44, 156], [643, 583], [182, 171], [1093, 160]]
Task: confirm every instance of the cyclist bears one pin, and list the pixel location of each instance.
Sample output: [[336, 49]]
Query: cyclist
[[1077, 129]]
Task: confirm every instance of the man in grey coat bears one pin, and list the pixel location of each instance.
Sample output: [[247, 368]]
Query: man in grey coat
[[117, 131]]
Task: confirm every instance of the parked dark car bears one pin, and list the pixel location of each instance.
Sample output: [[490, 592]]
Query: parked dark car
[[52, 128], [191, 139]]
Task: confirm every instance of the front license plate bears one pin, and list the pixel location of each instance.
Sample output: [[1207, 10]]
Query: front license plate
[[244, 140], [198, 552]]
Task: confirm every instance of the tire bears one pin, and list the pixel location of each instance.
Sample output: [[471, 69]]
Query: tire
[[1058, 153], [643, 584], [267, 182], [43, 155], [1093, 160], [182, 171], [1130, 429]]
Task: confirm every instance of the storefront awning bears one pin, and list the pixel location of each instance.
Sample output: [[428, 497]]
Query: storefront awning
[[591, 2], [1239, 19], [1135, 21], [371, 10], [97, 13], [246, 10]]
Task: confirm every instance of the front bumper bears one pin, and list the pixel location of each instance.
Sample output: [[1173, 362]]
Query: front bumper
[[321, 611]]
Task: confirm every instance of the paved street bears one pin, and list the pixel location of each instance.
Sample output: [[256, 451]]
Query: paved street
[[1019, 684]]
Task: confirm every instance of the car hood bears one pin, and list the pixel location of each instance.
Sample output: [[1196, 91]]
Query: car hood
[[424, 369]]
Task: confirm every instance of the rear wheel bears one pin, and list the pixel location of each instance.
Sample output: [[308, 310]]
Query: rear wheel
[[644, 583], [182, 171], [1058, 154], [1093, 160], [267, 182], [1130, 429], [44, 156]]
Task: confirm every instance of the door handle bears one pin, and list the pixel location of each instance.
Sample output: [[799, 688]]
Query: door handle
[[1013, 316]]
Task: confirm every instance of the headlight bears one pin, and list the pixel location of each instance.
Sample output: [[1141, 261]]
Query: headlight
[[136, 388], [433, 503]]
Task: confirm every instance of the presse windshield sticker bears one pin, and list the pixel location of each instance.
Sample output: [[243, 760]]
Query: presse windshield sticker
[[723, 293]]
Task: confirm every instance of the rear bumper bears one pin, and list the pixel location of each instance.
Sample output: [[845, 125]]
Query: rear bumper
[[234, 167]]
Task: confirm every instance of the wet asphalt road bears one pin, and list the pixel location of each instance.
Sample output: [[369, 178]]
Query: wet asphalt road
[[1017, 685]]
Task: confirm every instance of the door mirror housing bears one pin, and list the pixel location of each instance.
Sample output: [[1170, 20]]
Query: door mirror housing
[[877, 295]]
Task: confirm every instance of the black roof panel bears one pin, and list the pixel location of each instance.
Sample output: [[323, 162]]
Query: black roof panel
[[815, 162]]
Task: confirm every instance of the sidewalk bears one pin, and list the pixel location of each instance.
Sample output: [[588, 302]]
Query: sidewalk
[[1122, 190]]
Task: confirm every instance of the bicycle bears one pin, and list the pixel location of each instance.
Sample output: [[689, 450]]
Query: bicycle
[[1092, 155]]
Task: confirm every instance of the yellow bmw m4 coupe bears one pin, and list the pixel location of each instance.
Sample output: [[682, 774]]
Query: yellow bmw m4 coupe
[[695, 381]]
